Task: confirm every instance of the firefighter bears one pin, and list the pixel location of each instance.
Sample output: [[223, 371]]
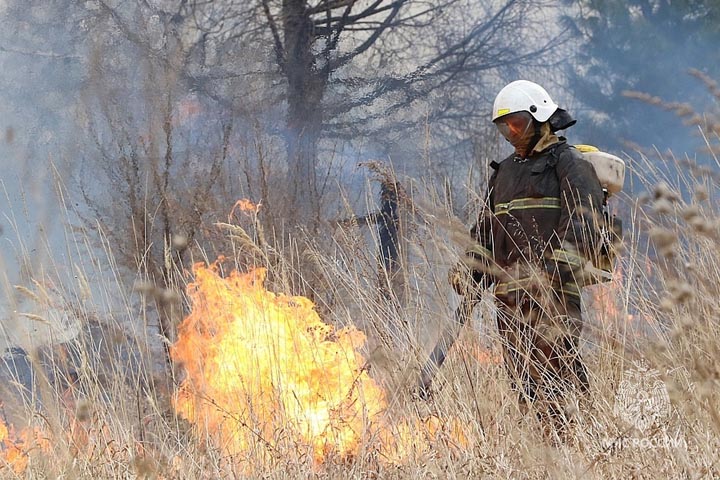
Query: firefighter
[[534, 239]]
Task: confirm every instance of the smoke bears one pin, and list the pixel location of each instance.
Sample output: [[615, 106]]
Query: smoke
[[84, 82]]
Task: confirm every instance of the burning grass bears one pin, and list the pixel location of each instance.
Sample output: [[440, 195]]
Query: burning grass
[[15, 449], [263, 372], [265, 375]]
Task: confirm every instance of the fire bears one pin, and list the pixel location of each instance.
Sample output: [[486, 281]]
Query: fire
[[11, 454], [264, 372], [15, 447], [480, 353], [265, 375], [246, 206], [606, 299]]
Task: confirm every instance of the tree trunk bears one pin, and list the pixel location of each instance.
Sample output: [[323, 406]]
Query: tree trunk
[[306, 86]]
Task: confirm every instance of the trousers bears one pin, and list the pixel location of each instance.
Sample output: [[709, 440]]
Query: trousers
[[540, 350]]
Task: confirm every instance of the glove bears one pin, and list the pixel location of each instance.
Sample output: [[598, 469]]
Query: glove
[[566, 265], [464, 280]]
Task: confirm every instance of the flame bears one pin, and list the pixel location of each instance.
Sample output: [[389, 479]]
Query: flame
[[264, 374], [606, 299], [263, 377], [245, 206], [11, 453], [264, 370], [15, 447], [479, 352]]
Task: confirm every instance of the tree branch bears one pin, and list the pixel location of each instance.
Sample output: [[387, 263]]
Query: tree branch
[[279, 49], [370, 11], [39, 53], [326, 5], [395, 6], [339, 28]]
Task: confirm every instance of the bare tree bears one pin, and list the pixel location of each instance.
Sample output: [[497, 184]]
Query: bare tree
[[159, 170], [356, 68], [345, 68]]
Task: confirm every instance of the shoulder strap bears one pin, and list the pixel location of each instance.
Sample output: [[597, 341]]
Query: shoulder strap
[[554, 156], [557, 149]]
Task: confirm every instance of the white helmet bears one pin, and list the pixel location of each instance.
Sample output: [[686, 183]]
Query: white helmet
[[524, 96]]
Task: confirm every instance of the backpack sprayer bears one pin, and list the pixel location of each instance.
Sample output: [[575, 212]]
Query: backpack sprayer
[[610, 170]]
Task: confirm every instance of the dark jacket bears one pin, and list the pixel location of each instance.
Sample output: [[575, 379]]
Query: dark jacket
[[544, 211]]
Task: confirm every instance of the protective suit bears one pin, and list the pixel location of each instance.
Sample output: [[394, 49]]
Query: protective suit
[[535, 237]]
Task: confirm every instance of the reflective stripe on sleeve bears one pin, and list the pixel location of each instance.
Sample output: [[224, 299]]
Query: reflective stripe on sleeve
[[570, 288], [572, 259], [505, 288], [523, 284]]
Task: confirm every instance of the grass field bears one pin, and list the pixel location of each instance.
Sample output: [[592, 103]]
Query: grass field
[[268, 386]]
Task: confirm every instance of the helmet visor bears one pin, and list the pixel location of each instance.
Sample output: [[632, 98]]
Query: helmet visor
[[515, 126]]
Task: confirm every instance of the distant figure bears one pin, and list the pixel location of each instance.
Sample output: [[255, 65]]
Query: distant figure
[[535, 236]]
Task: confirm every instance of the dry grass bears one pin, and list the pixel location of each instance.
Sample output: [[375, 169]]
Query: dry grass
[[103, 403], [106, 410]]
